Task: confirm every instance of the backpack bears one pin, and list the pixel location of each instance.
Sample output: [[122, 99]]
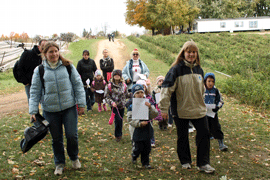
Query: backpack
[[42, 71], [16, 73], [110, 87]]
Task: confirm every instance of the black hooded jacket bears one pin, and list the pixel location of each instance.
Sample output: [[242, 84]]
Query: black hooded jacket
[[86, 69], [28, 61]]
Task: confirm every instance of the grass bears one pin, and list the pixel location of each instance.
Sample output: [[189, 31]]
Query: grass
[[246, 133]]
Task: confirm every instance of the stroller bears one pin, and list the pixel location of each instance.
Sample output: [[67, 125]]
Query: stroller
[[34, 134]]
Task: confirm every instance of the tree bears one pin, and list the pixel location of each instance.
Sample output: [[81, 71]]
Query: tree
[[263, 8], [69, 37]]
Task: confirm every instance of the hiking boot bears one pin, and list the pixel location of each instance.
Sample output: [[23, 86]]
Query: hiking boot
[[76, 164], [59, 169], [206, 168], [99, 108], [186, 166], [104, 107], [222, 146]]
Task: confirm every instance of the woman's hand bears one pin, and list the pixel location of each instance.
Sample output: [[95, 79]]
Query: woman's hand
[[81, 110], [33, 118], [164, 115]]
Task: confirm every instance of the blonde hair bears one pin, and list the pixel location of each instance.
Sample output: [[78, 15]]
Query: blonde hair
[[134, 51], [65, 61], [191, 45]]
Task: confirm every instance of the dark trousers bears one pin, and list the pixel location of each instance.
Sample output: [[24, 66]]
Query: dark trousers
[[202, 140], [143, 148], [90, 100], [215, 127], [118, 121]]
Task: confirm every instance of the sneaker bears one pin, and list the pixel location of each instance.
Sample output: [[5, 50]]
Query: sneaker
[[59, 169], [223, 147], [190, 130], [153, 145], [206, 168], [147, 166], [211, 138], [76, 164], [169, 125], [186, 166], [133, 160]]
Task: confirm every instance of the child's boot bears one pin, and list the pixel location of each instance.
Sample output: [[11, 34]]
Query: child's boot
[[222, 146], [104, 107], [99, 107]]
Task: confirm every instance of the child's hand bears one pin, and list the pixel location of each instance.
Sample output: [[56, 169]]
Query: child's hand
[[148, 104], [164, 115], [143, 123]]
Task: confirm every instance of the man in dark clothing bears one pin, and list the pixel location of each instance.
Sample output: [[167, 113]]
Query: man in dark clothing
[[28, 61], [86, 68]]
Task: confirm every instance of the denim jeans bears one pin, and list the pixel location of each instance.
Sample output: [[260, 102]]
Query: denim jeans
[[118, 121], [89, 98], [27, 91], [69, 119]]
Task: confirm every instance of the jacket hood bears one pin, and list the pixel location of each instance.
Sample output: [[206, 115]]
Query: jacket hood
[[35, 49], [209, 75]]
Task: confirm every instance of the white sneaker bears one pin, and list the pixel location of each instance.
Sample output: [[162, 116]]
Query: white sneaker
[[206, 168], [76, 164], [186, 166], [169, 125], [59, 169]]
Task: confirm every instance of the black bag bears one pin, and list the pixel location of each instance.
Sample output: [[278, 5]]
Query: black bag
[[34, 134]]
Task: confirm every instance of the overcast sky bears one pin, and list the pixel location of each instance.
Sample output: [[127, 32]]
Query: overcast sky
[[47, 17]]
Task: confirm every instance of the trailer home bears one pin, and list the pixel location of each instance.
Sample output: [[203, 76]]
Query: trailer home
[[231, 25]]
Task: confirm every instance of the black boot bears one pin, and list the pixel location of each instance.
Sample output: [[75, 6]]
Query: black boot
[[222, 146]]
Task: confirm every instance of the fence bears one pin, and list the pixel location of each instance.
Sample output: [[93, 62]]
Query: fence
[[11, 52]]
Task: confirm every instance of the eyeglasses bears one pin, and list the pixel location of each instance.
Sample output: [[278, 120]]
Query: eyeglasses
[[135, 54]]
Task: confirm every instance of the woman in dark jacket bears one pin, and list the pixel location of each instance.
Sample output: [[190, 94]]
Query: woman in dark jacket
[[106, 65], [86, 68]]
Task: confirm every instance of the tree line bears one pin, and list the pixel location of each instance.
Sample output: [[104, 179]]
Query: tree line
[[165, 15]]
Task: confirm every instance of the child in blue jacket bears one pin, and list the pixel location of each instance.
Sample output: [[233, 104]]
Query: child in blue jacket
[[143, 129], [213, 96]]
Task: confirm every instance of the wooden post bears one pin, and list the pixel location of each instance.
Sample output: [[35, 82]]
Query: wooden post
[[2, 58]]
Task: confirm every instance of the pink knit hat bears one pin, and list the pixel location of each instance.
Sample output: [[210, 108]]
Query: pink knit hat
[[142, 82], [97, 72], [159, 78]]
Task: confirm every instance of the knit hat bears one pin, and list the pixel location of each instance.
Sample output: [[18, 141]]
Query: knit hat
[[117, 72], [159, 78], [142, 82], [135, 51], [97, 72], [136, 88], [209, 75]]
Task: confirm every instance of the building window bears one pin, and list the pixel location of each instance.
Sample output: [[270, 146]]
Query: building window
[[253, 24], [223, 24], [238, 24]]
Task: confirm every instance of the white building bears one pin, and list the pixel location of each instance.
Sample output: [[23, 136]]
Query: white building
[[231, 25]]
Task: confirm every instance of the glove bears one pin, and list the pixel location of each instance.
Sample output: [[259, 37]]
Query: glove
[[216, 109]]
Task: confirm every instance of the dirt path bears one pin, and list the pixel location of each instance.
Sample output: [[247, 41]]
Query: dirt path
[[17, 102], [117, 51]]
